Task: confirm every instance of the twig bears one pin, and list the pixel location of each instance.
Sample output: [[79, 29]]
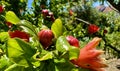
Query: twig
[[112, 7], [82, 20]]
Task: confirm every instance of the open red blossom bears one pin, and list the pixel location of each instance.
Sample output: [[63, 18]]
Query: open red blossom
[[89, 56], [92, 28], [19, 34], [1, 9]]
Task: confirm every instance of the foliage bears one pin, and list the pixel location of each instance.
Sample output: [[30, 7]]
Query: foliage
[[16, 54]]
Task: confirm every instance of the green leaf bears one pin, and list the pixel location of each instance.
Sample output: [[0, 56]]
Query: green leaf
[[23, 0], [3, 36], [28, 27], [81, 69], [73, 53], [15, 67], [57, 28], [47, 65], [19, 51], [63, 65], [11, 17], [45, 55], [26, 47], [62, 44], [4, 62]]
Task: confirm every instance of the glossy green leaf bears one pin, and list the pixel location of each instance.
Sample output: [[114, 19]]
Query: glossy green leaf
[[15, 67], [44, 55], [23, 0], [73, 53], [81, 69], [4, 62], [62, 44], [3, 36], [63, 65], [28, 27], [11, 17], [57, 28], [19, 51], [26, 47], [47, 65], [47, 56]]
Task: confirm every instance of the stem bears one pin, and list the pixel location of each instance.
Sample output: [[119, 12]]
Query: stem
[[114, 48], [112, 7], [116, 6], [82, 20]]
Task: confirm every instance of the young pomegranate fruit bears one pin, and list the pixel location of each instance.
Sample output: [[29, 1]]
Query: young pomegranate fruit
[[89, 57], [45, 13], [92, 28], [19, 34], [1, 9], [45, 37], [73, 41]]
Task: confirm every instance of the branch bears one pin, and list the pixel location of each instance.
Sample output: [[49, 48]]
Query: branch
[[116, 6], [112, 47], [82, 20]]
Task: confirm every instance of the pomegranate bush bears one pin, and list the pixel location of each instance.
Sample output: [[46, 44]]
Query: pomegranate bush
[[55, 36]]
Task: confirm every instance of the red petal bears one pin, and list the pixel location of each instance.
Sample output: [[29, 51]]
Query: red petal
[[19, 34], [92, 28]]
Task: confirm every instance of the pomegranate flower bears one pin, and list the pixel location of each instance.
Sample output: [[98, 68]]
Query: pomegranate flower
[[19, 34], [92, 28], [89, 57]]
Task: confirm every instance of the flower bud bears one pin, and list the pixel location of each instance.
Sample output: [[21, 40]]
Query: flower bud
[[45, 37]]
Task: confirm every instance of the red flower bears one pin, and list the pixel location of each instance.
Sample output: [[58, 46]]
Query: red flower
[[19, 34], [45, 37], [9, 24], [92, 28], [73, 41], [89, 56], [1, 9]]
